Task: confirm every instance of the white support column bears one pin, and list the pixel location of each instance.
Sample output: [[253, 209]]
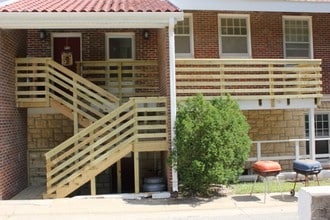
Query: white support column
[[172, 94], [311, 134]]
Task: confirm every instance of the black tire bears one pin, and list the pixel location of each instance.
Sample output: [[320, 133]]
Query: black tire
[[154, 180], [153, 187], [292, 192]]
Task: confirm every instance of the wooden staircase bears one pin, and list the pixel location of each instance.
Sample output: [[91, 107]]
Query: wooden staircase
[[110, 131]]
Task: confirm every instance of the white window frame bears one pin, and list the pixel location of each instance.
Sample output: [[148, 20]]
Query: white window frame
[[191, 38], [316, 135], [248, 36], [119, 35], [305, 18]]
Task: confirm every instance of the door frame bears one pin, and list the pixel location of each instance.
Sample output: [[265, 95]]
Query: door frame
[[63, 35]]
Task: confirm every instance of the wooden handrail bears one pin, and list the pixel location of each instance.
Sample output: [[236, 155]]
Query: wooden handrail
[[251, 79], [41, 81]]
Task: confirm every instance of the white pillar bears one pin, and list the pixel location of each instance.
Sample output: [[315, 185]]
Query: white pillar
[[172, 94], [311, 134]]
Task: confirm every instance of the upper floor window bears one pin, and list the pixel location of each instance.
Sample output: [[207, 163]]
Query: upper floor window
[[184, 37], [120, 46], [234, 32], [297, 37]]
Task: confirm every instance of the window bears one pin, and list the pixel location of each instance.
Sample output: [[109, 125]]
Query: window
[[297, 37], [234, 32], [184, 37], [120, 45], [321, 123]]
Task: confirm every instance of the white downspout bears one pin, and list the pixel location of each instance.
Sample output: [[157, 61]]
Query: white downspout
[[172, 95], [311, 134]]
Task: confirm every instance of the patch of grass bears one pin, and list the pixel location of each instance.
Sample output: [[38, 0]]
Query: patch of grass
[[245, 188]]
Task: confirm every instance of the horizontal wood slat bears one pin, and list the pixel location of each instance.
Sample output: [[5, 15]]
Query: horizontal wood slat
[[249, 79], [125, 79]]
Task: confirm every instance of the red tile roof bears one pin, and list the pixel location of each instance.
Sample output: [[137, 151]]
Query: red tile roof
[[90, 6]]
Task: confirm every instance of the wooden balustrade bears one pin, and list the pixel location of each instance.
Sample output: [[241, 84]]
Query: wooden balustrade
[[249, 79], [124, 79]]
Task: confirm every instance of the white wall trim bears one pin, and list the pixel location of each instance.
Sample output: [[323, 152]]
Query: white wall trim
[[91, 20]]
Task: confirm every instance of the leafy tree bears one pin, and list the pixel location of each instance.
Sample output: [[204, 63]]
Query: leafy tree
[[212, 143]]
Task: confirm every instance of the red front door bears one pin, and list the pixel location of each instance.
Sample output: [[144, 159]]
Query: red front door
[[66, 51]]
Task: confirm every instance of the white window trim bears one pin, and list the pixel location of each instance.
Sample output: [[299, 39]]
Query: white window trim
[[119, 35], [309, 19], [191, 38], [248, 26]]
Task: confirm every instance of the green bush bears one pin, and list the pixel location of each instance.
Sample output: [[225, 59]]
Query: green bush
[[211, 144]]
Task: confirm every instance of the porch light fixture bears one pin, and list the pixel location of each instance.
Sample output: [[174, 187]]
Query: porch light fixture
[[42, 34], [146, 34]]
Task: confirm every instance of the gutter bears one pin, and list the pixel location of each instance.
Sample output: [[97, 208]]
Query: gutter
[[90, 20]]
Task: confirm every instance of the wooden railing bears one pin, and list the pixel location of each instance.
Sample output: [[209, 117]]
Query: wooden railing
[[249, 79], [41, 82], [83, 156], [124, 79]]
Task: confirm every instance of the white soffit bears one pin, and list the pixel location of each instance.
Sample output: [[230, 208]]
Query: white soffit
[[255, 5], [70, 20]]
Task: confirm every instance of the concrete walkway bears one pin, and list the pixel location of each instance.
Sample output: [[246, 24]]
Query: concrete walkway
[[116, 207]]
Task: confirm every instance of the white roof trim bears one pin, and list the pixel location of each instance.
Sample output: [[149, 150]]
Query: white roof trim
[[253, 5], [70, 20]]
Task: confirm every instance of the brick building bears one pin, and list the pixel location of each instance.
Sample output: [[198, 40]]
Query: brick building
[[52, 120]]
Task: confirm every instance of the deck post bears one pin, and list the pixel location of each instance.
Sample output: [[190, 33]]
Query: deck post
[[93, 186], [311, 134], [119, 188], [136, 172]]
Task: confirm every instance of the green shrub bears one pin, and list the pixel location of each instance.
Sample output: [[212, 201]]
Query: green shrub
[[212, 143]]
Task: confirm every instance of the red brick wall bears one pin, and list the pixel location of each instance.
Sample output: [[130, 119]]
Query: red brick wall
[[13, 125], [206, 40], [266, 35], [321, 43]]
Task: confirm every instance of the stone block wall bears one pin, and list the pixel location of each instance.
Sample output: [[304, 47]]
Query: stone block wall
[[45, 131], [276, 125]]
